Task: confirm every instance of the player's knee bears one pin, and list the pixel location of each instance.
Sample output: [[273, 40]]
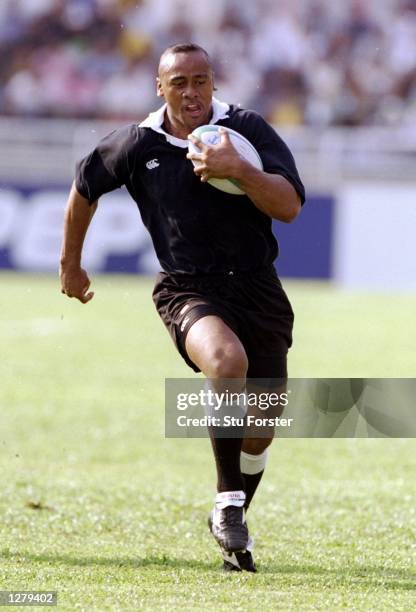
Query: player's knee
[[255, 446], [228, 361]]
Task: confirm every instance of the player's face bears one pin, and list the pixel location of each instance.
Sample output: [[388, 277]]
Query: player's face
[[186, 83]]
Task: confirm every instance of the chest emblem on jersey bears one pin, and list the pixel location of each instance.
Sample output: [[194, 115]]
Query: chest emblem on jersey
[[153, 163]]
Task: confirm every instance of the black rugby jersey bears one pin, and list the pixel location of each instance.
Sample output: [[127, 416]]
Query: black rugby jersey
[[195, 228]]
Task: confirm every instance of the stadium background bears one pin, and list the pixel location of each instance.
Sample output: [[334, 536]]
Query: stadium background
[[337, 80], [95, 501]]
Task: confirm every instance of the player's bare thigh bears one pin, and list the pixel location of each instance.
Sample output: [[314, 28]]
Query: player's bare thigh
[[219, 353], [216, 349]]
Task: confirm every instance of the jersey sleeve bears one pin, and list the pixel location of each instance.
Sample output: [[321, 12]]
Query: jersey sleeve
[[274, 152], [106, 167]]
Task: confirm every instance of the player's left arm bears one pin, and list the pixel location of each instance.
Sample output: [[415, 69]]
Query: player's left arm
[[273, 194]]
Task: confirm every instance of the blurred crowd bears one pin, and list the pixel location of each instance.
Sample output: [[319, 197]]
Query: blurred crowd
[[315, 62]]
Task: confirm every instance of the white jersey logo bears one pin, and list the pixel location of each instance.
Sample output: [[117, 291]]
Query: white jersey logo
[[153, 163]]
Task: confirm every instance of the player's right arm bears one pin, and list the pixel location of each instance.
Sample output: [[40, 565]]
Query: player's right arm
[[104, 169], [74, 280]]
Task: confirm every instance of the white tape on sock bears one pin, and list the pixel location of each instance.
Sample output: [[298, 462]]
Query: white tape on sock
[[229, 498], [253, 464]]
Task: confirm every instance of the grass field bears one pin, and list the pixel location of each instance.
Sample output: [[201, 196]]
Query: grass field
[[96, 504]]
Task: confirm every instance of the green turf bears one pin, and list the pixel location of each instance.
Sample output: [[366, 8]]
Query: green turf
[[97, 504]]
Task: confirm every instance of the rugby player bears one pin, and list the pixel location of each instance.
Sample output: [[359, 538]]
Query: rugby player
[[218, 293]]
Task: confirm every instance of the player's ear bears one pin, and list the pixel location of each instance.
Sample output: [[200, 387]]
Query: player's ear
[[159, 88]]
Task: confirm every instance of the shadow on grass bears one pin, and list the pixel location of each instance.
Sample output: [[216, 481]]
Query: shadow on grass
[[360, 576], [162, 561]]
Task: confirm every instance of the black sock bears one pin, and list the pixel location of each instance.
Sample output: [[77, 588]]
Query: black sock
[[251, 482], [227, 458]]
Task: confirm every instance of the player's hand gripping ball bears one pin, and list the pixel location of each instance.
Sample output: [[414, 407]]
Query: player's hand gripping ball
[[210, 136]]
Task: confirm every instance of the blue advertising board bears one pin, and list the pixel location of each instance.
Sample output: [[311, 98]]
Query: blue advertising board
[[31, 224]]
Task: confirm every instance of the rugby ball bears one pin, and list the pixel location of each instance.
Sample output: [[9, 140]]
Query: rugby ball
[[210, 135]]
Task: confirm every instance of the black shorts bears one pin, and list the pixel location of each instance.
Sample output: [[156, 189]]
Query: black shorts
[[254, 305]]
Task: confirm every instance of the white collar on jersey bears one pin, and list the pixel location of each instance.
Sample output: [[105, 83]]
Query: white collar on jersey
[[155, 121]]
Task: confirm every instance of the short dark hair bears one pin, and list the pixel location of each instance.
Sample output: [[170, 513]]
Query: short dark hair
[[188, 47], [183, 48]]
